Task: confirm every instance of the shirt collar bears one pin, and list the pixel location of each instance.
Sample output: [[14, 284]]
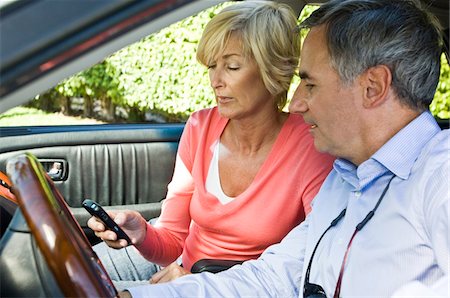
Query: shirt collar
[[397, 155]]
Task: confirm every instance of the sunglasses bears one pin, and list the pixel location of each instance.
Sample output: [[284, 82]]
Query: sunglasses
[[311, 290]]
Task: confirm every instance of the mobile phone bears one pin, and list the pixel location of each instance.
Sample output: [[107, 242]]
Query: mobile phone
[[96, 210]]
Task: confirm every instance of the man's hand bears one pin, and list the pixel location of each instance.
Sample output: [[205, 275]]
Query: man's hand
[[133, 224], [124, 294], [169, 273]]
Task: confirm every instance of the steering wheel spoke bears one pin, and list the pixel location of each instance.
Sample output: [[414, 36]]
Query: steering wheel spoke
[[69, 255]]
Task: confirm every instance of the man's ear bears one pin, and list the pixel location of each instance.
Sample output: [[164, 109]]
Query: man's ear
[[377, 84]]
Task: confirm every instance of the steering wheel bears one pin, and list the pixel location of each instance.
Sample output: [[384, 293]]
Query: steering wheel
[[75, 266]]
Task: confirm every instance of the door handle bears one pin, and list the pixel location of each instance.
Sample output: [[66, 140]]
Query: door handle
[[57, 169]]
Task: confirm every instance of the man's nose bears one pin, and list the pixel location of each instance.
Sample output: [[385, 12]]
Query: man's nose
[[298, 104]]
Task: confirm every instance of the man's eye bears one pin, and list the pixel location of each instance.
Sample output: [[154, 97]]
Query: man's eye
[[309, 86]]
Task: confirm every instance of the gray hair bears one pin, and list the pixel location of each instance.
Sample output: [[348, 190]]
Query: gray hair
[[399, 34]]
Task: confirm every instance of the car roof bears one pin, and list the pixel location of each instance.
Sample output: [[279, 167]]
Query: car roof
[[44, 41]]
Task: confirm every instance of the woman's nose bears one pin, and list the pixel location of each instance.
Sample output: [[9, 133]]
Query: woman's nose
[[215, 76]]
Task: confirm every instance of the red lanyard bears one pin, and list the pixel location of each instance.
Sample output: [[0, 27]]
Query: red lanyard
[[358, 228]]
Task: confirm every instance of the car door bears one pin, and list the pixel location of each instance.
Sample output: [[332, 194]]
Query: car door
[[119, 166]]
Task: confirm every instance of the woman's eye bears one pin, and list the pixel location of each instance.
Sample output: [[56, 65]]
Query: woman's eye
[[212, 66], [309, 86], [233, 67]]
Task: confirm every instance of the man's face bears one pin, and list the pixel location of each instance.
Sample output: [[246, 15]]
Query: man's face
[[327, 104]]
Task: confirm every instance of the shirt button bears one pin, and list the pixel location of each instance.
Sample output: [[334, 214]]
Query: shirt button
[[357, 194]]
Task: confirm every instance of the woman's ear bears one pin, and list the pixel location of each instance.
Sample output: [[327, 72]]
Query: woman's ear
[[377, 84]]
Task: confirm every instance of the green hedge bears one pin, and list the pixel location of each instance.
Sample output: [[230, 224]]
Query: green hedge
[[440, 107], [159, 77]]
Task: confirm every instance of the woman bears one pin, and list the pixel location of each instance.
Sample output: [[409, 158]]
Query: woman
[[245, 172]]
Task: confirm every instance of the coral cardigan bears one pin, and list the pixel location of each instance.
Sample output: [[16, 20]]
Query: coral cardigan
[[197, 225]]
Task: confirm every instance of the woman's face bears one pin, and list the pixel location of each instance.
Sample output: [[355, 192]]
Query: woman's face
[[237, 83]]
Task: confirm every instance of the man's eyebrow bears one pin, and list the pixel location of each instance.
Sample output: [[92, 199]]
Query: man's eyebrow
[[304, 75]]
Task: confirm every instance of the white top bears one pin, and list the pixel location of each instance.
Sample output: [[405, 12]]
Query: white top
[[213, 185]]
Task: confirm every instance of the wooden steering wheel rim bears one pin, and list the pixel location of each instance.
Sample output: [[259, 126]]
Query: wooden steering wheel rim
[[75, 266]]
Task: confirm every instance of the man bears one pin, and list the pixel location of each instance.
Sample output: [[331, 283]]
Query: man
[[369, 70]]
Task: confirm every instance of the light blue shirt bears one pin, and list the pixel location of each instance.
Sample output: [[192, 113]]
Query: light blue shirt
[[404, 249]]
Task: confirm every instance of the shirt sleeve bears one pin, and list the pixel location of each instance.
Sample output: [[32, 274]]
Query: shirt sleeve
[[418, 289], [277, 273], [437, 223]]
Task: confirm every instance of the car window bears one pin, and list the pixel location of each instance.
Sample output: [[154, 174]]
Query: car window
[[155, 80]]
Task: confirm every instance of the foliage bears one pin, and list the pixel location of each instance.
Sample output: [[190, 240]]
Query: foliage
[[161, 72], [440, 107], [159, 76]]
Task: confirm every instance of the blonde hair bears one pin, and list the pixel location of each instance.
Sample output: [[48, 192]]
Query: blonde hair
[[269, 35]]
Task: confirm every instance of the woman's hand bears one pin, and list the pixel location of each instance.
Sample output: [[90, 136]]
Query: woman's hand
[[124, 294], [171, 272], [132, 223]]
